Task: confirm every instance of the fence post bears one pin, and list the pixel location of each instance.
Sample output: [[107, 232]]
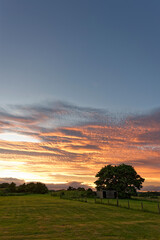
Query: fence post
[[117, 202], [158, 208], [142, 205], [117, 199], [128, 204], [108, 201], [95, 199], [101, 200]]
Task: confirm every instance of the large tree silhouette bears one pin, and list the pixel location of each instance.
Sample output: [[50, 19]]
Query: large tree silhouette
[[122, 178]]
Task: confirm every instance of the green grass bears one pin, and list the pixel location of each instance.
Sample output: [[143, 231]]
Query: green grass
[[45, 217], [150, 206]]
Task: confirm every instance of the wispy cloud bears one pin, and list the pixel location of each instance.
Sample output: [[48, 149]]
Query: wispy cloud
[[75, 140]]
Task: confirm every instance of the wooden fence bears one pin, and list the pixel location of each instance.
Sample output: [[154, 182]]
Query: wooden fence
[[153, 207]]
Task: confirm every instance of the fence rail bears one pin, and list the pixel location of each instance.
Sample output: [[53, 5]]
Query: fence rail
[[146, 206]]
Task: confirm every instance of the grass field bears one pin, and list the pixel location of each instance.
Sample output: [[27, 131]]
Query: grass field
[[45, 217], [150, 206], [145, 204]]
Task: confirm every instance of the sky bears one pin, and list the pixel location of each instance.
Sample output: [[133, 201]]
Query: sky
[[79, 90]]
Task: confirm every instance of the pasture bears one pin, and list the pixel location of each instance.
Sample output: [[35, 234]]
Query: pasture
[[45, 217], [141, 205]]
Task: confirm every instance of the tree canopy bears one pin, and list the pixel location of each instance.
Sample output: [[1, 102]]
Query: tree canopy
[[122, 178], [31, 187]]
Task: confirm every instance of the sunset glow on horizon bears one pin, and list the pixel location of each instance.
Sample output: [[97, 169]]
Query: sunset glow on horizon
[[75, 153]]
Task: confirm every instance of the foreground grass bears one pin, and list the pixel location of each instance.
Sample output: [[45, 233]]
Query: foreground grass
[[46, 217]]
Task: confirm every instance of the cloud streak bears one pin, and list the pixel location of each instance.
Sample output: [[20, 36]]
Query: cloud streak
[[76, 140]]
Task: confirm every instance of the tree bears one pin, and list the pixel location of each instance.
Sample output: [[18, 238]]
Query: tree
[[81, 189], [4, 185], [30, 187], [122, 178], [36, 188], [40, 188], [71, 188], [21, 188], [12, 187]]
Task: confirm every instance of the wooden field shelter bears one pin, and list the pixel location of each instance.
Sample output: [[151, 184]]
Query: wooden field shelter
[[106, 194]]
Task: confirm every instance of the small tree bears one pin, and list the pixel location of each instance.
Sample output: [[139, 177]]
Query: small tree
[[71, 188], [4, 185], [21, 188], [122, 178], [30, 187], [36, 188], [40, 188], [81, 189], [12, 187]]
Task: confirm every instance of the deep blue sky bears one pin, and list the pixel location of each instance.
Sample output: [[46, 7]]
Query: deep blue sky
[[103, 54]]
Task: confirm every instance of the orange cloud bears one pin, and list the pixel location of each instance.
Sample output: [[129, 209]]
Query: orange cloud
[[77, 150]]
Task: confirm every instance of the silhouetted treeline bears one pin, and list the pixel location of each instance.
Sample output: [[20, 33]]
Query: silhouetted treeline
[[72, 188], [74, 192], [84, 192], [32, 187], [149, 194]]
